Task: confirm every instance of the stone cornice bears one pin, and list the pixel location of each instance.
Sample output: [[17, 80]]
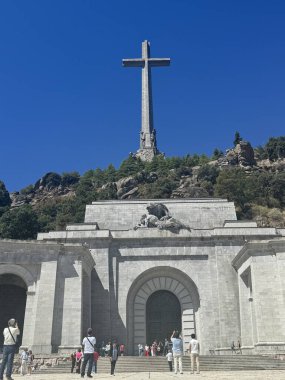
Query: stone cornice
[[22, 251], [258, 248]]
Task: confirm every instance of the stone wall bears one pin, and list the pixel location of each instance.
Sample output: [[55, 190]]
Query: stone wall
[[124, 215]]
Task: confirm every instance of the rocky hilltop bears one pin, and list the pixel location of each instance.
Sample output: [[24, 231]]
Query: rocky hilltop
[[254, 178], [52, 186]]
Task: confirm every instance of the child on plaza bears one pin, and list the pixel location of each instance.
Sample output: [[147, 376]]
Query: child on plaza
[[169, 357], [30, 362]]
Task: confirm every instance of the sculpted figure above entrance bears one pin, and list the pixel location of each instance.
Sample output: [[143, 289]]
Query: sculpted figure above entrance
[[159, 217]]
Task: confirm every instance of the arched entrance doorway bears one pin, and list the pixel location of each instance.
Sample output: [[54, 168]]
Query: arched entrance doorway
[[13, 296], [163, 315], [153, 280]]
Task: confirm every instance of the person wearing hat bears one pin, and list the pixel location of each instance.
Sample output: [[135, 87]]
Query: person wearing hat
[[9, 348], [89, 343]]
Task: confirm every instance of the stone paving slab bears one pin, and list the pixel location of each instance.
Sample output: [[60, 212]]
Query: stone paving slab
[[233, 375]]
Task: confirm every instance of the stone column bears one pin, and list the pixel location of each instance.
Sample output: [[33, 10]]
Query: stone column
[[44, 310], [71, 332], [28, 331]]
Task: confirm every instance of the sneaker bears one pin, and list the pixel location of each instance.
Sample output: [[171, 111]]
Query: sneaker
[[181, 373], [89, 376], [9, 378]]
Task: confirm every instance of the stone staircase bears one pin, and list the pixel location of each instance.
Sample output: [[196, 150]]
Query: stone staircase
[[159, 364]]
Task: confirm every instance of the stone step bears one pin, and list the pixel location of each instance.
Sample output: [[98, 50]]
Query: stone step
[[159, 364]]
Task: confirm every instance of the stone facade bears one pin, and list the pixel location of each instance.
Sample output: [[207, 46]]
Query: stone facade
[[227, 275]]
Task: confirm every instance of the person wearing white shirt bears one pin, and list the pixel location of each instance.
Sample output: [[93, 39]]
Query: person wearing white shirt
[[169, 358], [194, 349], [140, 347], [89, 343], [9, 348], [24, 362]]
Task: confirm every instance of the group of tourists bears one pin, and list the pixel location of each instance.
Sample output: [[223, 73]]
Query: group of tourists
[[236, 348], [177, 353], [90, 355], [154, 349], [80, 360], [173, 350], [27, 362]]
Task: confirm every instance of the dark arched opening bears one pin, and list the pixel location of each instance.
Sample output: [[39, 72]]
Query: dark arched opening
[[163, 315], [13, 296]]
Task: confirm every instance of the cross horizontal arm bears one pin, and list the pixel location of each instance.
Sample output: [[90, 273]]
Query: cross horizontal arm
[[159, 62], [133, 62]]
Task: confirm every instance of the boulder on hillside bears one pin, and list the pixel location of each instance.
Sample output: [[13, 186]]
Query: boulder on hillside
[[125, 185], [242, 154], [144, 176], [48, 181], [131, 194], [187, 190]]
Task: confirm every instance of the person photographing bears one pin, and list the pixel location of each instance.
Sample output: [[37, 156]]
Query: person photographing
[[9, 348], [177, 350]]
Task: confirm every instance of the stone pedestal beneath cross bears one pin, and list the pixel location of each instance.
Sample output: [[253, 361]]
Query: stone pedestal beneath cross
[[148, 145]]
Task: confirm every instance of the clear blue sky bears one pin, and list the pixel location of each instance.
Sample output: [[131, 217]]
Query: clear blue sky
[[66, 102]]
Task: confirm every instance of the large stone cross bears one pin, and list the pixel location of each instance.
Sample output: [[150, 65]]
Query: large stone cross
[[148, 146]]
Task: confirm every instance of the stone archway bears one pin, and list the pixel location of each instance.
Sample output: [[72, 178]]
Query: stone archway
[[149, 282], [13, 297], [23, 278]]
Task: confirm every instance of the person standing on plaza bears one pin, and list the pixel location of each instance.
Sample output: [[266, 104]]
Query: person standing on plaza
[[24, 362], [146, 350], [73, 361], [154, 348], [239, 347], [113, 355], [9, 348], [194, 350], [169, 357], [78, 360], [95, 360], [233, 348], [140, 347], [30, 362], [165, 347], [122, 349], [89, 345], [177, 350]]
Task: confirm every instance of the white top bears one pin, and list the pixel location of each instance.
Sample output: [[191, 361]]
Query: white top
[[194, 346], [169, 356], [24, 355], [8, 340], [89, 346]]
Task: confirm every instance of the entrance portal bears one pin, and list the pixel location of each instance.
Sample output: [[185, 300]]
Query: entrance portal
[[13, 302], [163, 315]]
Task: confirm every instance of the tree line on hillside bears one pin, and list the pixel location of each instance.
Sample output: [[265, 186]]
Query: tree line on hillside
[[258, 195]]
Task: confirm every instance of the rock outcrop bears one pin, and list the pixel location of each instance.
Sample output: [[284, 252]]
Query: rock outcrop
[[241, 155]]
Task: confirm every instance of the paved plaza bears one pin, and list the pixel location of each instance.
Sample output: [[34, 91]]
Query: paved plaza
[[219, 375]]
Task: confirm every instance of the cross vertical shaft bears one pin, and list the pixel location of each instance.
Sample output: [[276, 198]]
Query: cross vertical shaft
[[148, 147]]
